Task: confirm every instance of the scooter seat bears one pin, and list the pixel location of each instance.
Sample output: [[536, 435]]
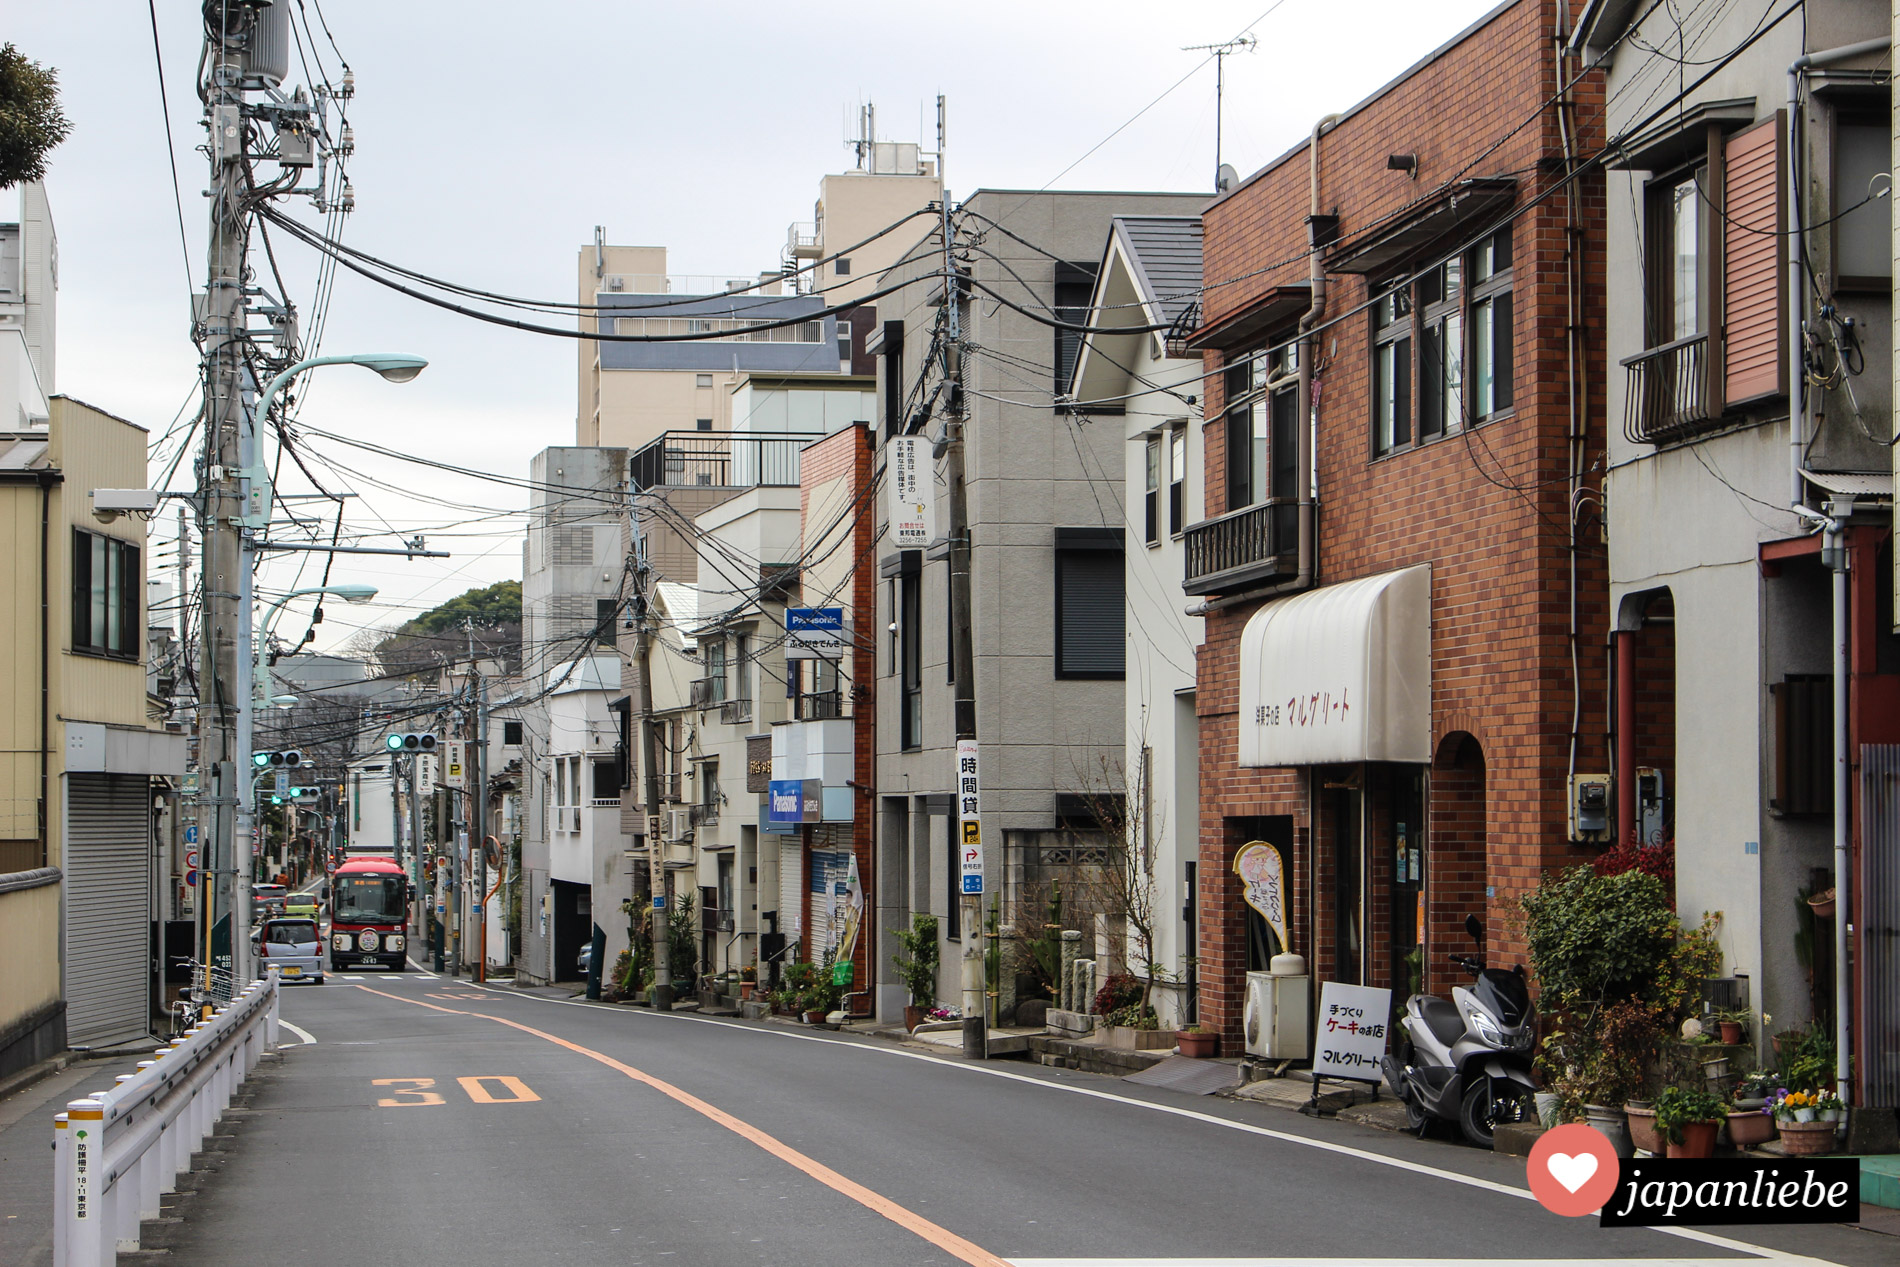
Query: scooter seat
[[1442, 1018]]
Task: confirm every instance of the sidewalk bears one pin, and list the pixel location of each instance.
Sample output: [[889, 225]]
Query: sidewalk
[[26, 1154]]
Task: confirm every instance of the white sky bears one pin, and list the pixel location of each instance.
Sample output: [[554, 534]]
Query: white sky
[[491, 139]]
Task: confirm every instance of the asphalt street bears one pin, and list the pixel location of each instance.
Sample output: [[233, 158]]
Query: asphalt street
[[434, 1122]]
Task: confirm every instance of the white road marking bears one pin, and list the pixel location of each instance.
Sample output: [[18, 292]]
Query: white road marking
[[1359, 1262], [1686, 1233], [350, 978], [298, 1030]]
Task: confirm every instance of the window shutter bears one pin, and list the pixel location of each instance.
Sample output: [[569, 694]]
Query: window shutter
[[82, 590], [1752, 270], [1505, 351], [131, 606], [1090, 619]]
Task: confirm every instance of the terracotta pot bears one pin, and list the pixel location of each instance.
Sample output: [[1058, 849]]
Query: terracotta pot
[[815, 1017], [1698, 1140], [913, 1017], [1745, 1129], [1731, 1032], [1822, 904], [1642, 1127], [1200, 1046], [1805, 1139]]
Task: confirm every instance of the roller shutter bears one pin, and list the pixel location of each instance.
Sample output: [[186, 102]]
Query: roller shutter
[[108, 927], [1752, 248]]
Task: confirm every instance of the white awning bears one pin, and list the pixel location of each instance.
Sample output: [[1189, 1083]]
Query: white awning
[[1340, 674]]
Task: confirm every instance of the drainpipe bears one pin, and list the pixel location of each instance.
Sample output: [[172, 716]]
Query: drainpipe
[[1309, 350], [1797, 272], [1626, 736], [46, 480], [1834, 552]]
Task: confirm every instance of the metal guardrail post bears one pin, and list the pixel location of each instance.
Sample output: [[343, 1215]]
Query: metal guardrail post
[[82, 1220], [62, 1184]]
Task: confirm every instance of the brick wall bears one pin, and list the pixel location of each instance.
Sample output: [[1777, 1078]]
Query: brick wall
[[1486, 507]]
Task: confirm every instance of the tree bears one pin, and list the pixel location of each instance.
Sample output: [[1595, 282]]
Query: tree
[[438, 637], [31, 122]]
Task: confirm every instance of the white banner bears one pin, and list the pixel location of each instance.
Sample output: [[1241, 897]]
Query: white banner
[[911, 478]]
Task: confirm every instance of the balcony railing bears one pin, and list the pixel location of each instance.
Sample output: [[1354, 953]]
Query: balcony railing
[[707, 691], [801, 240], [734, 711], [1256, 543], [720, 459], [820, 705], [1667, 394]]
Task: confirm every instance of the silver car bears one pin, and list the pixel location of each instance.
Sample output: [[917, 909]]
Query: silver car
[[293, 946]]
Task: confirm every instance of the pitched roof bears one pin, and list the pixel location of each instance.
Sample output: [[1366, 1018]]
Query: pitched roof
[[1166, 251]]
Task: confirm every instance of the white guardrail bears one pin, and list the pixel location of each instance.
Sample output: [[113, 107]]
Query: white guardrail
[[116, 1152]]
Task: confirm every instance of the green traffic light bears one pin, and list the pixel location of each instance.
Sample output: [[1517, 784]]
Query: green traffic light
[[260, 759], [393, 743], [276, 799]]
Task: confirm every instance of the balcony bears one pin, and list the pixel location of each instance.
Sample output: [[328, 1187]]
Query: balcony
[[819, 706], [732, 712], [1667, 394], [720, 459], [802, 242], [1252, 545], [707, 691]]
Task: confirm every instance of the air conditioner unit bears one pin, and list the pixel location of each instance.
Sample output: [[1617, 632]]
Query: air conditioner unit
[[725, 923], [1275, 1019], [679, 824], [616, 282]]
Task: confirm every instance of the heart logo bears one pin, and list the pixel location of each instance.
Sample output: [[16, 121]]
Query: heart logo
[[1572, 1171]]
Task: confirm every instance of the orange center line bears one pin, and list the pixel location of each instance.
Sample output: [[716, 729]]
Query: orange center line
[[941, 1237]]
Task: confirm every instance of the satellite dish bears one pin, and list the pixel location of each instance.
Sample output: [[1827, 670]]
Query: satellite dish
[[1226, 178]]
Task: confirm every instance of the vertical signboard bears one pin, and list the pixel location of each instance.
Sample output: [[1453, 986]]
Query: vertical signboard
[[455, 768], [969, 824], [912, 482]]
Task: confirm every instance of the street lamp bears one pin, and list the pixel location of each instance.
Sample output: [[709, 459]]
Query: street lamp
[[260, 679]]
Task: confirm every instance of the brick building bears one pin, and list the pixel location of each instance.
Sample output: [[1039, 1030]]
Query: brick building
[[1404, 662]]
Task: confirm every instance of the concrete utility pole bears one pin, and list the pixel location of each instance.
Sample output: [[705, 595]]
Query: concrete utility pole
[[662, 999], [478, 819], [224, 770], [963, 654]]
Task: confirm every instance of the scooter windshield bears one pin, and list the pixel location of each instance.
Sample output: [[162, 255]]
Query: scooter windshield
[[1504, 995]]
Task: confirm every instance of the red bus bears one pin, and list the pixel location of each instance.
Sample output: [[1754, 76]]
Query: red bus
[[369, 914]]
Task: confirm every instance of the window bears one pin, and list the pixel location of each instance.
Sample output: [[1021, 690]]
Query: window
[[702, 380], [953, 914], [1442, 348], [1151, 486], [842, 266], [106, 582], [1675, 258], [1075, 288], [1262, 404], [606, 621], [742, 667], [1177, 479], [709, 792], [702, 424], [716, 670], [511, 734], [606, 780], [1090, 604], [910, 634]]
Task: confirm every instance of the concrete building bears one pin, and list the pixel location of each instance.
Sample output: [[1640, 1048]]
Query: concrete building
[[1402, 667], [79, 892], [573, 576], [1149, 282], [1719, 580], [29, 310], [1047, 581]]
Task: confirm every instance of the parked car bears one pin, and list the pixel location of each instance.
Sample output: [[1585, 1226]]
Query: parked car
[[586, 958], [293, 946]]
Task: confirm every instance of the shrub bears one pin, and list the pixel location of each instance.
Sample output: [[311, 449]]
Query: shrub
[[1676, 1108], [1594, 937], [1118, 992], [917, 966], [1658, 861]]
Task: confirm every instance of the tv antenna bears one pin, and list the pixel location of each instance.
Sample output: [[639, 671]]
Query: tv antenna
[[1239, 44]]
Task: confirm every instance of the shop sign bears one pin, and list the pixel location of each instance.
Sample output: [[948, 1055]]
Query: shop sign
[[795, 801], [1351, 1038], [969, 819], [758, 763], [913, 492], [815, 633], [1263, 878]]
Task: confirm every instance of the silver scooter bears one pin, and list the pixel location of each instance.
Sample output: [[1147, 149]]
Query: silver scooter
[[1468, 1060]]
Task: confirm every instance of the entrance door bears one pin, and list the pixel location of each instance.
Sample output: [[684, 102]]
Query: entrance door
[[1405, 894], [1344, 814]]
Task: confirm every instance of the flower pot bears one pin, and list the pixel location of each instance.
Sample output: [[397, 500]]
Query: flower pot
[[1642, 1129], [1129, 1038], [745, 990], [1717, 1068], [815, 1016], [1804, 1115], [1752, 1104], [1731, 1032], [1805, 1139], [1200, 1046], [1828, 1115], [1746, 1129], [1698, 1140], [1822, 904], [913, 1017], [1610, 1120]]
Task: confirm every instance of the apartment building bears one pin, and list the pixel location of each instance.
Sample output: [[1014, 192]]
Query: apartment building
[[1750, 488], [1402, 674], [1047, 585]]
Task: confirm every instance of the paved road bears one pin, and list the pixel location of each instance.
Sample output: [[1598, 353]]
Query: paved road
[[432, 1122]]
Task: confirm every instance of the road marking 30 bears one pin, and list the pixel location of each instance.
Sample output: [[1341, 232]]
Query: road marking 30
[[414, 1087], [942, 1238], [418, 1095], [518, 1092]]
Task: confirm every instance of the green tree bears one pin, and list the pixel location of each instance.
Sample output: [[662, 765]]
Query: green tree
[[31, 122]]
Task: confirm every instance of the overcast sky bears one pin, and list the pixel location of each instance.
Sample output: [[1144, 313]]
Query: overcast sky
[[492, 138]]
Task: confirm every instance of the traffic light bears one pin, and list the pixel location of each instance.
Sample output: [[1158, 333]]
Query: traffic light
[[306, 793], [424, 742], [276, 799], [289, 759]]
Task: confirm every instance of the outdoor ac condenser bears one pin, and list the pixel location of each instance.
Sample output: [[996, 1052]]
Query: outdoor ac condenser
[[1275, 1018]]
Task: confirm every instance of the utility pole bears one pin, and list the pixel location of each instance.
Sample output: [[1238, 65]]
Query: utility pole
[[478, 816], [963, 655], [224, 771], [415, 829], [650, 758]]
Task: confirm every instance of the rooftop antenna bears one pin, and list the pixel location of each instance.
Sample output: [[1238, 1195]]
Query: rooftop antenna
[[940, 124], [867, 134], [1239, 44]]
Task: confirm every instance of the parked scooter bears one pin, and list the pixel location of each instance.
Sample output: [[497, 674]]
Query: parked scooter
[[1467, 1061]]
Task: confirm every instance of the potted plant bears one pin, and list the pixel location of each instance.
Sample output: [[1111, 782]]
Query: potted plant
[[1689, 1121], [1197, 1042], [1828, 1107], [917, 967], [1822, 903], [1752, 1090], [1640, 1117], [1731, 1024], [1801, 1135], [1748, 1127]]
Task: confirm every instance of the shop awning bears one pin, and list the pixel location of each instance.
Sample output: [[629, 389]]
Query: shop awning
[[1340, 674]]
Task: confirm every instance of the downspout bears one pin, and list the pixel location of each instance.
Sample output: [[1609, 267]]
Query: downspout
[[46, 480], [1309, 350], [1573, 279], [1833, 526]]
